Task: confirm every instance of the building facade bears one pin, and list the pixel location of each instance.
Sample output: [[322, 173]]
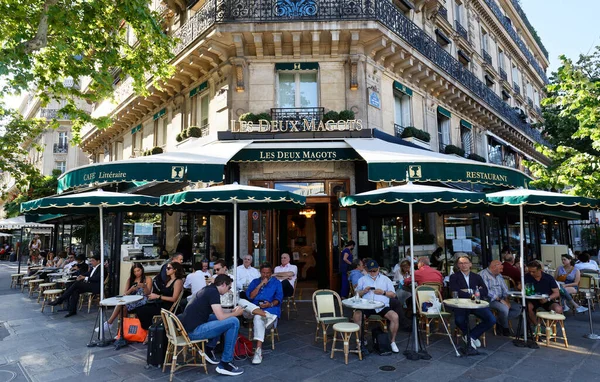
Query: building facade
[[468, 73]]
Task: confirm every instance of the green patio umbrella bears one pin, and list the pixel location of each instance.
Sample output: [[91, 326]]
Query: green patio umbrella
[[421, 197], [537, 200], [232, 197], [90, 203]]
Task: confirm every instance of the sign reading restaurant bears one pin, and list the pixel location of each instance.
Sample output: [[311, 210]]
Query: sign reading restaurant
[[294, 126]]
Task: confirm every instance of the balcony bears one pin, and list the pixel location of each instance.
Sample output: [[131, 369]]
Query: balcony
[[52, 114], [516, 88], [60, 148], [503, 75], [443, 12], [384, 12], [530, 102], [462, 32], [298, 114], [486, 57], [538, 110], [398, 129]]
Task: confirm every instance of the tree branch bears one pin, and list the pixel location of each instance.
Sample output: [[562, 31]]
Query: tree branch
[[41, 37]]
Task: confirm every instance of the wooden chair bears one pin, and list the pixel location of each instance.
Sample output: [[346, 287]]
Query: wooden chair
[[42, 287], [345, 329], [34, 286], [510, 283], [324, 305], [179, 343], [16, 280], [25, 281], [549, 320], [425, 293], [91, 297], [587, 284], [289, 301], [270, 334], [437, 286], [52, 295]]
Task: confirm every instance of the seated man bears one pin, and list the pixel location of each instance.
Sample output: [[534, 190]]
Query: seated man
[[509, 269], [584, 262], [195, 281], [286, 273], [466, 280], [379, 288], [357, 271], [265, 293], [204, 318], [543, 283], [245, 273], [425, 274], [498, 295], [69, 262], [80, 267], [89, 282], [163, 279]]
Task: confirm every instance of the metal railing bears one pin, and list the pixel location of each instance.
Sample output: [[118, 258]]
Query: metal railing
[[503, 74], [52, 114], [60, 148], [518, 41], [253, 11], [442, 11], [538, 110], [462, 32], [486, 57], [398, 129], [516, 88], [529, 102], [298, 114], [442, 147]]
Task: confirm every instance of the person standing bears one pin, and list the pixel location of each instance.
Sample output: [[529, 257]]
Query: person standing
[[204, 319], [347, 258]]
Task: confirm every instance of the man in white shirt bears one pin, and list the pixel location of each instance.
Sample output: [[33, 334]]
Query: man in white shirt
[[69, 262], [585, 262], [286, 273], [378, 287], [245, 273], [195, 281]]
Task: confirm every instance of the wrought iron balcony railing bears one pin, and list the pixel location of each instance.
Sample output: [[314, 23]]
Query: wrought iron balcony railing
[[461, 30], [515, 36], [52, 114], [503, 74], [486, 57], [398, 129], [298, 114], [443, 12], [529, 102], [516, 88], [253, 11], [538, 110], [61, 148]]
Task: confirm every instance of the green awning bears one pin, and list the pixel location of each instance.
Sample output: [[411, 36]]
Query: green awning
[[297, 66], [389, 162], [160, 114], [403, 88], [466, 124], [444, 112], [538, 200], [198, 89], [136, 129], [295, 155]]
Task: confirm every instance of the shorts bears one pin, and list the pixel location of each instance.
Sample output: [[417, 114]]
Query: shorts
[[547, 306], [382, 312]]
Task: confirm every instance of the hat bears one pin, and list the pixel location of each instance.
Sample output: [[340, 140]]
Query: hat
[[372, 264]]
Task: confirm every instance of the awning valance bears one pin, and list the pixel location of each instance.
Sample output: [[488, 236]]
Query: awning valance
[[403, 88], [466, 124], [20, 222], [444, 112], [193, 163], [389, 162]]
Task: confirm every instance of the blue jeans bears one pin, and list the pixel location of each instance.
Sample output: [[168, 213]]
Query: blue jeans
[[213, 329], [461, 318]]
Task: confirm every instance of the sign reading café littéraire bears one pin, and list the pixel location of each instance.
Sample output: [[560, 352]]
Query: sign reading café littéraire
[[294, 126]]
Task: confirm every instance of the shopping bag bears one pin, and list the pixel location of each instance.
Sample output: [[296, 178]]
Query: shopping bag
[[243, 347], [133, 330]]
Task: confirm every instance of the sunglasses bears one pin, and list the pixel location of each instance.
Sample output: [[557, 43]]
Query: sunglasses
[[217, 269], [373, 270], [169, 268]]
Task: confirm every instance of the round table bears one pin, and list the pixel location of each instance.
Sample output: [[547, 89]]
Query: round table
[[518, 294], [116, 302], [362, 304], [468, 304]]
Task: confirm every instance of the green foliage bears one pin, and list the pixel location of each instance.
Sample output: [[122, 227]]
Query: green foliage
[[194, 131], [179, 137], [39, 187], [346, 115], [331, 116], [411, 131], [157, 150], [451, 149], [248, 117], [476, 157], [572, 113]]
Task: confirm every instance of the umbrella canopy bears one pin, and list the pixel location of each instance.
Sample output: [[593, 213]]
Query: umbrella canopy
[[537, 200], [424, 198], [20, 222], [232, 197]]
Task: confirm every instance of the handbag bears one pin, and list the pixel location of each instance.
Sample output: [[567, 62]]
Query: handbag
[[243, 348], [132, 327]]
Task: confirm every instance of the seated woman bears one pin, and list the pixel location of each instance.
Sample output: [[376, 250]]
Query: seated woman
[[164, 298], [402, 273], [137, 284], [569, 275], [50, 262], [60, 259]]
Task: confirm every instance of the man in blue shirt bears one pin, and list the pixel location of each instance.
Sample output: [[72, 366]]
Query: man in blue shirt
[[265, 293]]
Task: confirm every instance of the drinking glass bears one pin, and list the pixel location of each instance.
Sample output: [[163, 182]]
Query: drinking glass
[[455, 297]]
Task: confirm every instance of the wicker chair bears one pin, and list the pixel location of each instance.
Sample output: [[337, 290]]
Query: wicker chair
[[324, 305], [426, 293]]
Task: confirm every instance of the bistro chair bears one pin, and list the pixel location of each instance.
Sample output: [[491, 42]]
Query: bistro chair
[[42, 287], [345, 330], [426, 293], [289, 301], [34, 286], [25, 281], [178, 343], [549, 320], [510, 283], [270, 334], [325, 302], [51, 295], [16, 280], [587, 284]]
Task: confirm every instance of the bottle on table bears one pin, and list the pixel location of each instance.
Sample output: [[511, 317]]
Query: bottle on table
[[477, 296]]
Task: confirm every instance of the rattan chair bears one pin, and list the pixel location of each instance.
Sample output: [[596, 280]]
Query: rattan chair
[[290, 301], [324, 305], [425, 293]]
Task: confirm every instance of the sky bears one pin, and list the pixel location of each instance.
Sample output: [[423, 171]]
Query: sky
[[568, 27]]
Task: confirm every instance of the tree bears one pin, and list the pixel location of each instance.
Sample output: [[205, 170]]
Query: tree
[[39, 186], [572, 114], [43, 43]]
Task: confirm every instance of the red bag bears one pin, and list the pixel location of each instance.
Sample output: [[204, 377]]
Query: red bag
[[133, 330], [243, 347]]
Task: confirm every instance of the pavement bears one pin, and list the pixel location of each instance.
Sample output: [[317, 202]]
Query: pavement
[[37, 346]]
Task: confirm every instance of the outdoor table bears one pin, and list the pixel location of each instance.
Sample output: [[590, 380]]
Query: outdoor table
[[362, 304], [517, 294], [466, 303], [118, 301]]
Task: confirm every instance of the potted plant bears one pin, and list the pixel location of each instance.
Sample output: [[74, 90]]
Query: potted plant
[[346, 115], [451, 149], [416, 136], [331, 115], [179, 137], [476, 157], [194, 132], [157, 150]]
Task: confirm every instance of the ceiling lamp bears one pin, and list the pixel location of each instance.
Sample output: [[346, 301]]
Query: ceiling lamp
[[308, 212]]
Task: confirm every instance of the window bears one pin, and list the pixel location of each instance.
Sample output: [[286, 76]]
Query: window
[[136, 142], [62, 139], [466, 139], [297, 90], [536, 98], [442, 39], [165, 130], [61, 165], [199, 110], [484, 40], [500, 59], [443, 131], [494, 151], [459, 12], [515, 77], [402, 113]]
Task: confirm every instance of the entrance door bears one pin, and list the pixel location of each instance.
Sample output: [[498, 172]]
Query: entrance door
[[492, 238]]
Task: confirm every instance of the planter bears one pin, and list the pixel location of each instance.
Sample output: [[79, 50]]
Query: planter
[[186, 140], [418, 142]]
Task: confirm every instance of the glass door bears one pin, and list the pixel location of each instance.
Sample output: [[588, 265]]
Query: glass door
[[492, 238]]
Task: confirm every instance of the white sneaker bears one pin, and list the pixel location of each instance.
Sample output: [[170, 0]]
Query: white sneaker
[[257, 359], [107, 327], [474, 342], [270, 319], [395, 347], [582, 309], [566, 308]]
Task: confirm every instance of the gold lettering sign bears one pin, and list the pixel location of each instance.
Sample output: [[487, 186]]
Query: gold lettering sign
[[486, 176], [287, 126]]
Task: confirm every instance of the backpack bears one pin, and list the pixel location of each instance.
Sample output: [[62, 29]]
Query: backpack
[[381, 342], [243, 348]]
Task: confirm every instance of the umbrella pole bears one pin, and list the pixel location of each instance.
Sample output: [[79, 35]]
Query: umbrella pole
[[521, 265], [101, 311], [412, 276], [235, 251]]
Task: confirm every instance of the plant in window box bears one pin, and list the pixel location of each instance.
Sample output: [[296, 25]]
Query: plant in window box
[[331, 115], [476, 157], [179, 137], [416, 136], [451, 149], [265, 116], [248, 117], [194, 132], [157, 150], [347, 115]]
